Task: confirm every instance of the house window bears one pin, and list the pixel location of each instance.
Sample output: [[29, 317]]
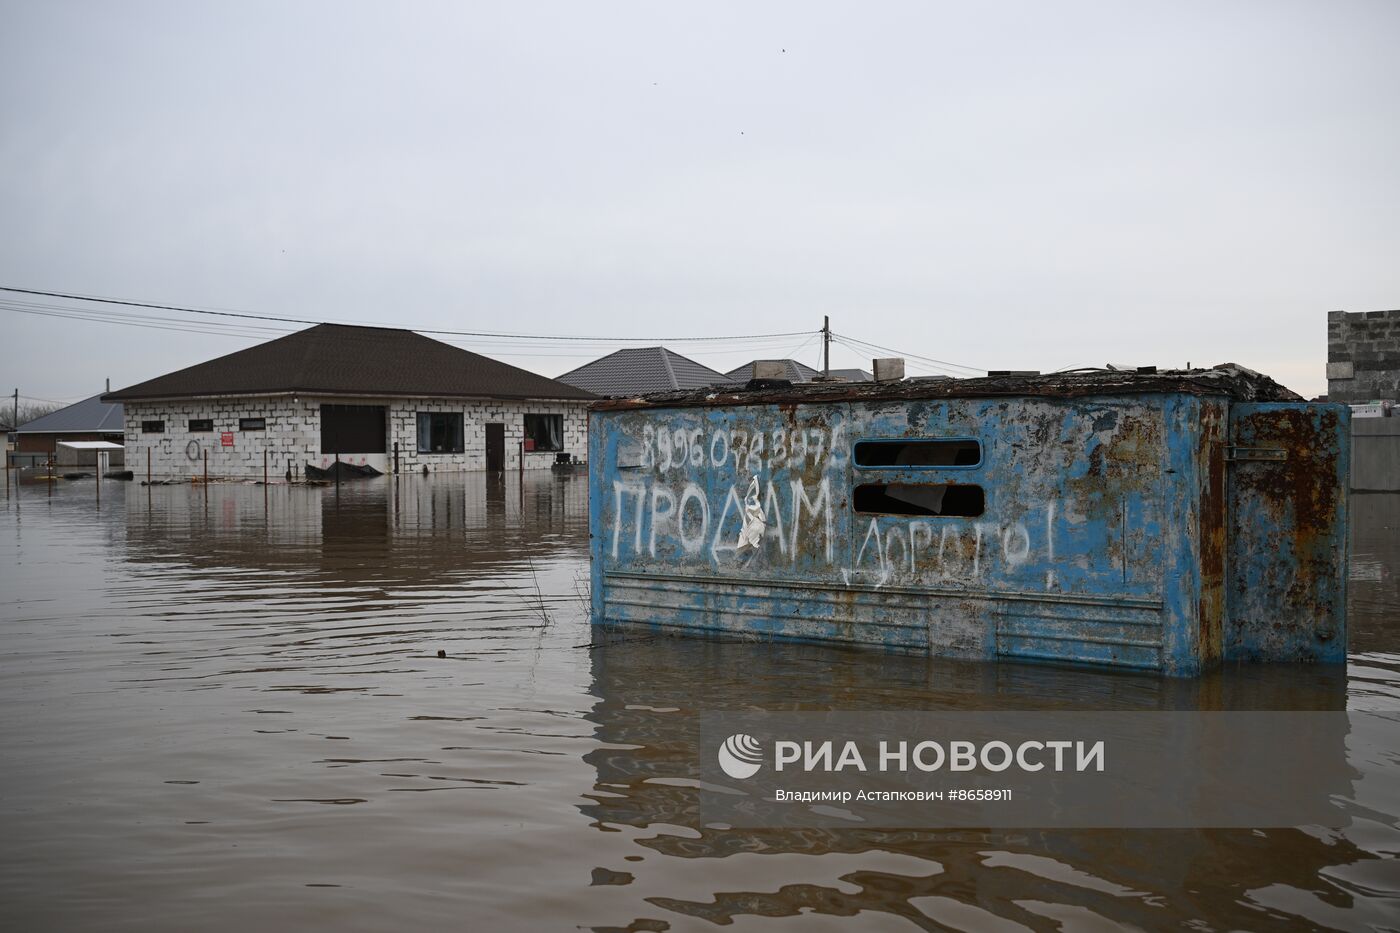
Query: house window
[[440, 432], [201, 425], [918, 452], [354, 429], [252, 424], [544, 432], [956, 499], [153, 427]]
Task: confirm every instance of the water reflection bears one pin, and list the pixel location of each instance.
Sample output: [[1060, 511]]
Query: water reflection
[[394, 530], [646, 689], [225, 709]]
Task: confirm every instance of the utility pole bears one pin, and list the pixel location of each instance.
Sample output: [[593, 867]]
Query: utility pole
[[826, 346], [15, 426]]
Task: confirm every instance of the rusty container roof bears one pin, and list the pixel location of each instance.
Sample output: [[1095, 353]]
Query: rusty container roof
[[1226, 379]]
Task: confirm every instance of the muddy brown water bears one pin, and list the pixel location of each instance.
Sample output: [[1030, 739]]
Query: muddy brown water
[[223, 709]]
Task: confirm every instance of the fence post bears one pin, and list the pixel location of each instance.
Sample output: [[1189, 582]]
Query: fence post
[[148, 466], [206, 468], [264, 466]]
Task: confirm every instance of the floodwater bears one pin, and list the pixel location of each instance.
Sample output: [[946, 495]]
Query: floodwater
[[224, 709]]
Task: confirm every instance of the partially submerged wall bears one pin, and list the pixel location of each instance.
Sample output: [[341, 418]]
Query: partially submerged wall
[[1085, 547], [1375, 454], [291, 437]]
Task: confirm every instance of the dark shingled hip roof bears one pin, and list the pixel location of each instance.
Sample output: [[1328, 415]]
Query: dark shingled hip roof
[[639, 370], [796, 372], [340, 359]]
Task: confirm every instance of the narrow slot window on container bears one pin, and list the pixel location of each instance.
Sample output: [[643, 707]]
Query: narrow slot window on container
[[201, 425], [153, 427], [918, 452], [959, 500]]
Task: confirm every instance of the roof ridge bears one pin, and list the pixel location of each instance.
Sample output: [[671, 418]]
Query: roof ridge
[[670, 370]]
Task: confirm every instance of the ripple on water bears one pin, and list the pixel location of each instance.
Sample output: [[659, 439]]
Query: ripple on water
[[225, 708]]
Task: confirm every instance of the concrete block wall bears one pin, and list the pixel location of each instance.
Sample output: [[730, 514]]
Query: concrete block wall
[[291, 438], [403, 427], [1363, 355], [293, 435]]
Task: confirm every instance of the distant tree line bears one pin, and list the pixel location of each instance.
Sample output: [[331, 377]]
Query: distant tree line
[[28, 411]]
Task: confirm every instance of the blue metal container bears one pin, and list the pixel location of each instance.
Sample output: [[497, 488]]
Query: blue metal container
[[1164, 522]]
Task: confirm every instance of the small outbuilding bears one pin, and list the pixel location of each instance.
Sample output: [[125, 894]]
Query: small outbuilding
[[92, 419], [384, 398]]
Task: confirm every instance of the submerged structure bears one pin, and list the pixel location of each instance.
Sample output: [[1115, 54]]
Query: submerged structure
[[1166, 521], [383, 399]]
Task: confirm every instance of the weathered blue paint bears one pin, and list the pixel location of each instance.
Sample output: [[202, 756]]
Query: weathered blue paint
[[1288, 554], [1103, 539]]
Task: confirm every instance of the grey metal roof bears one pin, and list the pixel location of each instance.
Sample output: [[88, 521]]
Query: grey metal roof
[[639, 370], [341, 359], [852, 375], [796, 372], [90, 415]]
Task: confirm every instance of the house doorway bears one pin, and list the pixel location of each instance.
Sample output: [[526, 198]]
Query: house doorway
[[495, 446]]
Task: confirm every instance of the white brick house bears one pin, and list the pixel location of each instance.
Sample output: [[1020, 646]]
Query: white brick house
[[377, 396]]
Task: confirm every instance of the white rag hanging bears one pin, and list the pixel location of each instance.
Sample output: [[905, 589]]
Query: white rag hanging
[[751, 535]]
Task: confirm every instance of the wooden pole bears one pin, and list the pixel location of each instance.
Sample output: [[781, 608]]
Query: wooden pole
[[206, 468], [148, 466], [264, 466]]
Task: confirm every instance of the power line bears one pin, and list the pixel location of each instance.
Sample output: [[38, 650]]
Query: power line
[[176, 326], [907, 355], [506, 348], [422, 330], [49, 401], [914, 366], [736, 343]]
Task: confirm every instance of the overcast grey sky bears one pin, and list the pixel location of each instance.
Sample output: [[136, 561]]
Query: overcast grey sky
[[1001, 185]]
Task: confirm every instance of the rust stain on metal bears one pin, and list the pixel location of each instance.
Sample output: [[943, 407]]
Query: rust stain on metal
[[1108, 528], [1226, 379]]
